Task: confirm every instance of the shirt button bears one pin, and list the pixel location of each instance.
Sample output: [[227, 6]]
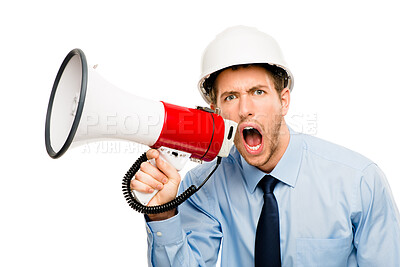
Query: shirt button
[[148, 230], [159, 234]]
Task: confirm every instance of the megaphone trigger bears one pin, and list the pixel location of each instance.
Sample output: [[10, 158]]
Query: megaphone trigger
[[174, 157]]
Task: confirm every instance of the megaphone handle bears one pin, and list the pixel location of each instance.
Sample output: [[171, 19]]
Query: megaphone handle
[[143, 198], [136, 205], [174, 157]]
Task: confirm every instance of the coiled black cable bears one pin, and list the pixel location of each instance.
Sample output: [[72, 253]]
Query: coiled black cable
[[136, 205]]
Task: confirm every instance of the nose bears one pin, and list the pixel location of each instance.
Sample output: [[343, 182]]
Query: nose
[[246, 107]]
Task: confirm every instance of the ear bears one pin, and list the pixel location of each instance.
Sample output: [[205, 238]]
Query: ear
[[285, 100], [213, 106]]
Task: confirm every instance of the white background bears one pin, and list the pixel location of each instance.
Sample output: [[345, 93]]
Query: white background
[[70, 212]]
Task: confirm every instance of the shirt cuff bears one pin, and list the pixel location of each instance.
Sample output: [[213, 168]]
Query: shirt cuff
[[165, 232]]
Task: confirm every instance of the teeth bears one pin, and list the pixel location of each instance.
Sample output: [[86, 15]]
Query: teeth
[[254, 147], [248, 128]]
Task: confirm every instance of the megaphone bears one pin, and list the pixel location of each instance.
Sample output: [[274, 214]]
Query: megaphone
[[84, 107]]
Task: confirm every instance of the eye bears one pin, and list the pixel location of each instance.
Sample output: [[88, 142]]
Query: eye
[[259, 92], [229, 97]]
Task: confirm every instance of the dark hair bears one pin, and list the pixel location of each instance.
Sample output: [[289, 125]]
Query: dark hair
[[278, 75]]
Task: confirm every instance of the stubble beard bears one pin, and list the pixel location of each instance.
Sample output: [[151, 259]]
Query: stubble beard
[[271, 139]]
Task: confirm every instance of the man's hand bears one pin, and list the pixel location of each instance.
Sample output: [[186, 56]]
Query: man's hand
[[164, 178]]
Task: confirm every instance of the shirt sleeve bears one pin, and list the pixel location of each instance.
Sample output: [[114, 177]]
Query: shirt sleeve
[[377, 224], [190, 238]]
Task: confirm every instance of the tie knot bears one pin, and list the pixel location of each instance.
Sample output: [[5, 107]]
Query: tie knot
[[268, 183]]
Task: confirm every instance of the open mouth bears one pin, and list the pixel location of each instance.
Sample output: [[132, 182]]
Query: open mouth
[[252, 138]]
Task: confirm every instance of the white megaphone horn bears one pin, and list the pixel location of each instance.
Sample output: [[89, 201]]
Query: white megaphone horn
[[84, 107]]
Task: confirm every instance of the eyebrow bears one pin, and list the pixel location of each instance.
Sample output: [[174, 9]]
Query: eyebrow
[[257, 87]]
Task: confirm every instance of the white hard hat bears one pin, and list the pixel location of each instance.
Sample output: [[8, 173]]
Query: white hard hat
[[240, 45]]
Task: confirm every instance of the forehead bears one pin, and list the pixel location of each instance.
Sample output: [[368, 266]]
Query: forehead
[[243, 78]]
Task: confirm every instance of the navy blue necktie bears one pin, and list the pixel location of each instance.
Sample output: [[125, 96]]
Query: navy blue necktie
[[267, 246]]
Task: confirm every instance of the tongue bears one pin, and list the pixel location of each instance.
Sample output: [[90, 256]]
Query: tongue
[[253, 138]]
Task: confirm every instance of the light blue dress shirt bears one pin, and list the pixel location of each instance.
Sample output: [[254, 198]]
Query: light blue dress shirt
[[335, 209]]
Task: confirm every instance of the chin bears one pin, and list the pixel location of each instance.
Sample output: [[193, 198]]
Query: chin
[[256, 160]]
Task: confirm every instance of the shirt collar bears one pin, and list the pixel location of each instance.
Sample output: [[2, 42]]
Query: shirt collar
[[287, 168]]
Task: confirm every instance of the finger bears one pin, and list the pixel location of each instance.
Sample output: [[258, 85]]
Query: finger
[[152, 153], [168, 170], [148, 180], [141, 187], [153, 171]]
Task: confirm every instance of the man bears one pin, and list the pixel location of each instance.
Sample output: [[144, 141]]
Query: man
[[329, 206]]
